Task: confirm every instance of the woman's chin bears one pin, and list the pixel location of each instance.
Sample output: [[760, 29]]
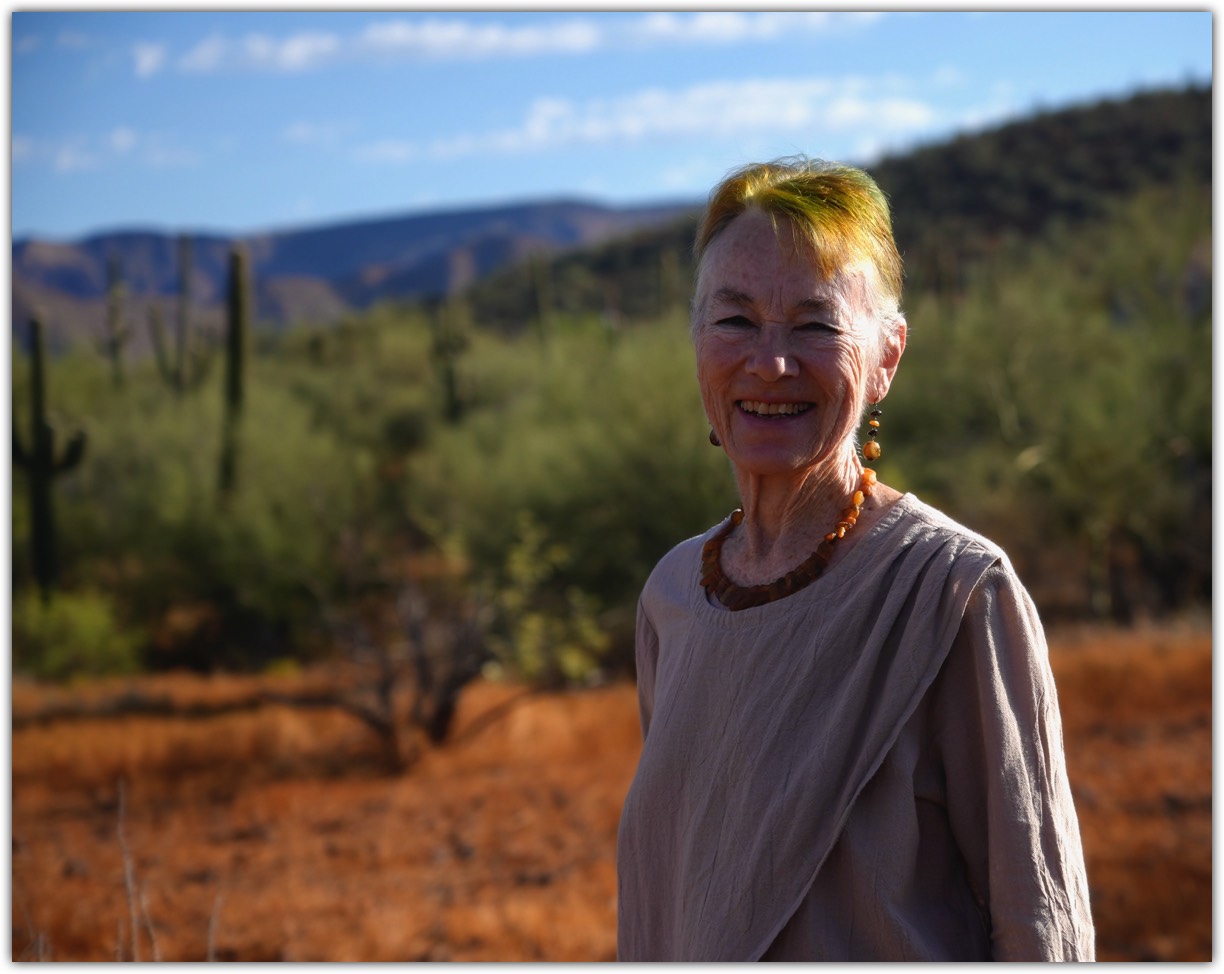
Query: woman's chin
[[771, 461]]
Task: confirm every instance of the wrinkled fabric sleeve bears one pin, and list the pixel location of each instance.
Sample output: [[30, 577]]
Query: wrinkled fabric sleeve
[[1009, 801], [646, 658]]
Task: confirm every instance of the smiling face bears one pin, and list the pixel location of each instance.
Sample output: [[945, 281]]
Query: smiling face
[[786, 359]]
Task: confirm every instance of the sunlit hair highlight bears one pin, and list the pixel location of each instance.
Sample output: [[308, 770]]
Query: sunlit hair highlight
[[838, 211]]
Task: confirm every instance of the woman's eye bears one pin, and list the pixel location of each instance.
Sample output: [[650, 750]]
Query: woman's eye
[[816, 326], [735, 321]]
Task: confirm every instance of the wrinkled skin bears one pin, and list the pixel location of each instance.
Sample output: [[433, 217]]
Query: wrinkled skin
[[786, 361]]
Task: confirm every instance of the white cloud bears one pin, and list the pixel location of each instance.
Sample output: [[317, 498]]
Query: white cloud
[[303, 132], [314, 133], [27, 44], [298, 52], [948, 76], [439, 37], [22, 148], [73, 158], [122, 139], [302, 51], [388, 151], [72, 39], [985, 116], [120, 144], [728, 109], [162, 156], [461, 39], [737, 27], [889, 114], [799, 107], [148, 58], [208, 55]]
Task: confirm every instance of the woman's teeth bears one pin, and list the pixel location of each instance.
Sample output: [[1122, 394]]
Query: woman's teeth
[[773, 408]]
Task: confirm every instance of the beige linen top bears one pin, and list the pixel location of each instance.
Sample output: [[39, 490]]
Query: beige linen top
[[869, 769]]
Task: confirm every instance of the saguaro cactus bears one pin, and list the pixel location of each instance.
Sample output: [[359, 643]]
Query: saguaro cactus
[[237, 341], [41, 464], [117, 331], [238, 329], [184, 306], [191, 362], [451, 321]]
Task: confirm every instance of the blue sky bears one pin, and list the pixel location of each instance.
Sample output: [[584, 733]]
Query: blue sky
[[238, 122]]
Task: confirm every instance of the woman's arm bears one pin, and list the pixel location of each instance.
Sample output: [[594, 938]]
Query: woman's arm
[[646, 657], [1009, 801]]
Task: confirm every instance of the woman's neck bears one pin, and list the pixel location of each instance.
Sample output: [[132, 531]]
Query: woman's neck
[[786, 517]]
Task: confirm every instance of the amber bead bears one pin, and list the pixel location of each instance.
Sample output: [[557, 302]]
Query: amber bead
[[871, 450], [874, 422]]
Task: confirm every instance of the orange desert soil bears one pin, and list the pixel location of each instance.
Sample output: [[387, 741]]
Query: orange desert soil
[[276, 834]]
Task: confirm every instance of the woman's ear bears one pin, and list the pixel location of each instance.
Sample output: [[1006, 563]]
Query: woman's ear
[[894, 347]]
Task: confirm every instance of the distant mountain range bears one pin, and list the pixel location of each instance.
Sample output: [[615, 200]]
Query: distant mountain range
[[316, 274]]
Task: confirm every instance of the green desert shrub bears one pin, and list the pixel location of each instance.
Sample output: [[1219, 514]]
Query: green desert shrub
[[604, 453], [73, 635]]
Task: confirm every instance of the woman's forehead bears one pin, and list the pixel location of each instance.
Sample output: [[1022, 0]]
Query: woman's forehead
[[751, 261]]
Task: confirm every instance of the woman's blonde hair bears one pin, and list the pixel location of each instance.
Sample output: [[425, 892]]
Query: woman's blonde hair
[[837, 210]]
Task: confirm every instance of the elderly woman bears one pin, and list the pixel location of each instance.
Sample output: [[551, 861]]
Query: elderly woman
[[852, 747]]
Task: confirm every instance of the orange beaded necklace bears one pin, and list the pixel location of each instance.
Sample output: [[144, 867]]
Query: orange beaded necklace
[[737, 597]]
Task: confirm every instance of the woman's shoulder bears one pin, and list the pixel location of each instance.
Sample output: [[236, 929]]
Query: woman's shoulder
[[682, 557], [921, 543], [674, 574], [920, 522]]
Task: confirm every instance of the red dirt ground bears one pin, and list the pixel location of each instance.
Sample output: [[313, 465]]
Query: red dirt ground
[[274, 835]]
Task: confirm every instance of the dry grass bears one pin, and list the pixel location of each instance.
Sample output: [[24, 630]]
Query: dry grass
[[274, 835], [1137, 717]]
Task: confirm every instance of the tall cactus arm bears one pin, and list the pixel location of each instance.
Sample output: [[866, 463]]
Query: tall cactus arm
[[117, 331], [38, 391], [158, 333], [183, 324], [116, 292], [72, 452], [21, 456], [238, 327], [38, 458]]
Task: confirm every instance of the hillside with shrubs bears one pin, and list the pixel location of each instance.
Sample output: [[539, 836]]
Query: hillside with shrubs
[[430, 475]]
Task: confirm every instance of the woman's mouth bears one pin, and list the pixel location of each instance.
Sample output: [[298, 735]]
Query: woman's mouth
[[772, 410]]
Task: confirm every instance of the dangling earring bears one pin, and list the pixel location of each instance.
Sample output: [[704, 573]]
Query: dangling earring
[[871, 449], [714, 440]]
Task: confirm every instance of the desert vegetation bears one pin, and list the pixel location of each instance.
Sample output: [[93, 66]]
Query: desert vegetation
[[326, 652]]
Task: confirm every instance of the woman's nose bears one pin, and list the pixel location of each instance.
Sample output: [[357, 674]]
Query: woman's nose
[[772, 357]]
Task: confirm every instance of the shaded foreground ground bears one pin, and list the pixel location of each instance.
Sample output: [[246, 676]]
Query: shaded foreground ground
[[274, 835]]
